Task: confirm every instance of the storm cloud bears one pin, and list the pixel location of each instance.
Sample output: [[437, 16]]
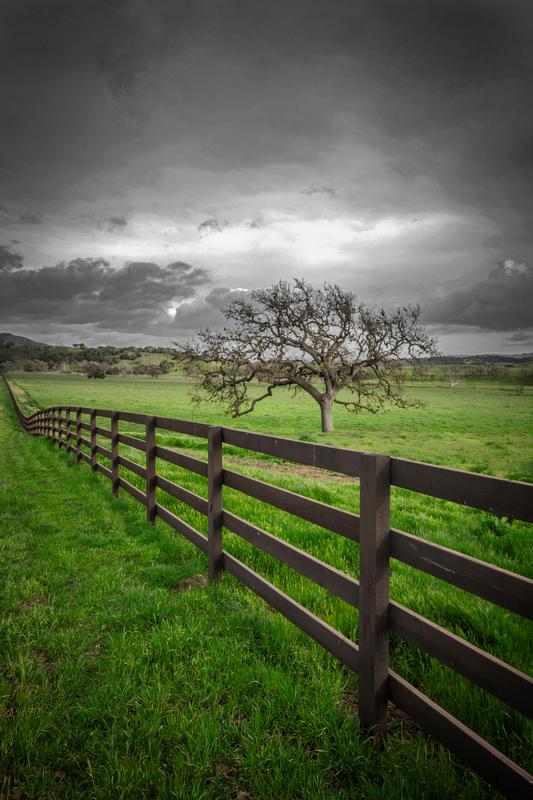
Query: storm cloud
[[383, 144], [9, 260], [500, 301], [87, 291], [115, 223]]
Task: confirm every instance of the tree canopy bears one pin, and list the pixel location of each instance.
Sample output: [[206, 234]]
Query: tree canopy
[[321, 341]]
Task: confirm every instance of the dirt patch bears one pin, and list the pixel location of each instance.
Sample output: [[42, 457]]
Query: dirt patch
[[301, 470], [31, 602], [226, 777], [349, 703], [223, 770], [96, 652], [43, 660], [304, 471], [398, 720], [194, 582]]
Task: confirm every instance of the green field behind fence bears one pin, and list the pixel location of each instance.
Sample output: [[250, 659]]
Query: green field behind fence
[[173, 673], [482, 426]]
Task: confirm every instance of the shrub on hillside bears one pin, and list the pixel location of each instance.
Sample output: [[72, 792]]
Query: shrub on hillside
[[153, 370], [94, 370], [166, 366]]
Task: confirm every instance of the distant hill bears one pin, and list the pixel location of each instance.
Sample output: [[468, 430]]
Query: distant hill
[[486, 358], [22, 354], [10, 338]]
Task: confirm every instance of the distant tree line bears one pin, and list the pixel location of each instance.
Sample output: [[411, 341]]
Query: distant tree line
[[95, 362]]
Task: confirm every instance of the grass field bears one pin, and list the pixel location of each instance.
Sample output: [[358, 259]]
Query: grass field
[[479, 426], [117, 685]]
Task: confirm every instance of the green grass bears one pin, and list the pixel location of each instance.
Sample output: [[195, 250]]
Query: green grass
[[482, 427], [115, 685]]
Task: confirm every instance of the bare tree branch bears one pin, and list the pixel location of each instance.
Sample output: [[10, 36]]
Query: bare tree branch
[[321, 341]]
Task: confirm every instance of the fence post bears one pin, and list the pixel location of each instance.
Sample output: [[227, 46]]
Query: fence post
[[114, 453], [93, 439], [214, 505], [150, 470], [67, 425], [59, 429], [374, 530], [78, 435]]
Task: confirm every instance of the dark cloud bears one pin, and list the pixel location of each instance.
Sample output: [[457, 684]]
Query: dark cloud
[[206, 311], [88, 291], [521, 337], [212, 226], [9, 261], [319, 188], [255, 82], [30, 218], [114, 223], [220, 296], [501, 301], [171, 111]]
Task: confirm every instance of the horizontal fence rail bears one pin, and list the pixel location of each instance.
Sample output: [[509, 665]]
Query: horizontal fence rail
[[378, 543]]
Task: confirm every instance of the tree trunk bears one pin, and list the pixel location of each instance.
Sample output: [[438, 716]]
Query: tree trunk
[[326, 414]]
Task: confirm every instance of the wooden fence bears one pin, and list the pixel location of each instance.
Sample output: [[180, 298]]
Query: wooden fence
[[378, 543]]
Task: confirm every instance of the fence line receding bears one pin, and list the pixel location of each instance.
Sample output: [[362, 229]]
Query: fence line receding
[[378, 613]]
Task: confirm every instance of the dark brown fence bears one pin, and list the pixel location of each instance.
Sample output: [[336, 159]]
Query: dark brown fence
[[378, 542]]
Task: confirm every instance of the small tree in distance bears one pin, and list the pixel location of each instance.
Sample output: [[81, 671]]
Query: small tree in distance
[[94, 370], [320, 341]]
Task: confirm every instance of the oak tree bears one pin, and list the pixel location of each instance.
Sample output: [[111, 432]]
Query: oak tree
[[324, 342]]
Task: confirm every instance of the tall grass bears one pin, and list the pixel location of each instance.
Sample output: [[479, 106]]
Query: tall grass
[[300, 716]]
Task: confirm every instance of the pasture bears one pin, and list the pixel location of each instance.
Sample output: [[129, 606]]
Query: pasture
[[482, 426], [205, 692]]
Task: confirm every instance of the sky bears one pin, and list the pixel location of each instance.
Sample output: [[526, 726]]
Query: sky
[[158, 157]]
